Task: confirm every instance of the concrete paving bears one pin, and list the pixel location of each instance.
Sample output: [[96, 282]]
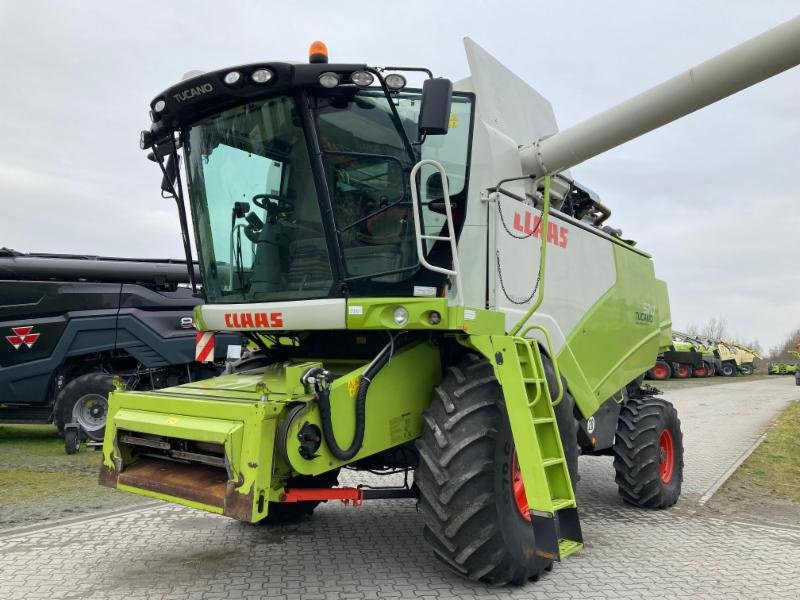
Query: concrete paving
[[377, 551]]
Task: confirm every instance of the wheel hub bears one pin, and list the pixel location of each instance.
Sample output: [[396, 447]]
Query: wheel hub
[[518, 489], [90, 413], [666, 456]]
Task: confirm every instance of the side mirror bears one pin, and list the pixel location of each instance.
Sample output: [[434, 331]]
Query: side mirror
[[434, 114], [171, 168]]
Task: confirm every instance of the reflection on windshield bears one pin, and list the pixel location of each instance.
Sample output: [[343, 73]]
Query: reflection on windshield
[[368, 167], [255, 206]]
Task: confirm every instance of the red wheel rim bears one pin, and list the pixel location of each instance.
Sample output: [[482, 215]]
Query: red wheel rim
[[666, 456], [659, 371], [683, 371], [518, 489], [700, 371]]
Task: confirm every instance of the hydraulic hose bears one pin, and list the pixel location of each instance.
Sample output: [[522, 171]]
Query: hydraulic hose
[[324, 401]]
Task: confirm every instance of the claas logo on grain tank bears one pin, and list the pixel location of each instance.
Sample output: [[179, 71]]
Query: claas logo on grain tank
[[529, 224], [260, 320]]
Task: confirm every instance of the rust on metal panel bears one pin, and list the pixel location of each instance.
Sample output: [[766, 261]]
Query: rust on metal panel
[[196, 482], [237, 505], [108, 476]]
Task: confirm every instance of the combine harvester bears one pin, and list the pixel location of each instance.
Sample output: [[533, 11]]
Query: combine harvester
[[431, 290]]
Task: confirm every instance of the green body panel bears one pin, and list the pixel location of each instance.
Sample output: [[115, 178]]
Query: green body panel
[[246, 428], [376, 313], [243, 412], [397, 397], [619, 338]]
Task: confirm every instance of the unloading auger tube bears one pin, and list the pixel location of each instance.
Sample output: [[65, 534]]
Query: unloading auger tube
[[760, 58]]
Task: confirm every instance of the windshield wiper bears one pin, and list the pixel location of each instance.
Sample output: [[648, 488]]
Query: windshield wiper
[[398, 124]]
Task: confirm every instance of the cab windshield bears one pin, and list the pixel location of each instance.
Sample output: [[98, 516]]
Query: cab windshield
[[259, 198]]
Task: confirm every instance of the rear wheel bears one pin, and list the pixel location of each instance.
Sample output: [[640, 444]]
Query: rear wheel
[[648, 453], [700, 371], [84, 401], [660, 371], [681, 371], [747, 369], [472, 499], [711, 370]]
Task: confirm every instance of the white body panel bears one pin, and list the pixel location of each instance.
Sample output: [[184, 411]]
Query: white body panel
[[580, 269], [328, 313]]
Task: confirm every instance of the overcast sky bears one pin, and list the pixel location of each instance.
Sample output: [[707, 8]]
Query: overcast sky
[[713, 197]]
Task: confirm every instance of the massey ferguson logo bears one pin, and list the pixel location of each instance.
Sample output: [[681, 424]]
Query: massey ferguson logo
[[556, 235], [260, 320], [193, 92], [22, 337]]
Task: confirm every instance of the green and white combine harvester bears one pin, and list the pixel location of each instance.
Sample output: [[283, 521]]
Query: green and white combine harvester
[[430, 289]]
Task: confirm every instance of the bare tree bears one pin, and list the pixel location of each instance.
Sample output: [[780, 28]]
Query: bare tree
[[780, 353], [715, 328]]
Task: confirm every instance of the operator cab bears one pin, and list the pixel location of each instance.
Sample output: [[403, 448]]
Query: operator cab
[[299, 178]]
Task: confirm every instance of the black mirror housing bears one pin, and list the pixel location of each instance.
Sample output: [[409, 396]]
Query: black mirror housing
[[171, 173], [434, 114]]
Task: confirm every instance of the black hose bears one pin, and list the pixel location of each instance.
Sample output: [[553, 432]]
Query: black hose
[[324, 402]]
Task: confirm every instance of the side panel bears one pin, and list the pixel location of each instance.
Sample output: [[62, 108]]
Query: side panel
[[619, 337], [601, 299], [580, 269], [28, 381]]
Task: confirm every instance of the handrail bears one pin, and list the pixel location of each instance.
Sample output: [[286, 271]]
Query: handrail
[[553, 361], [451, 237], [543, 223]]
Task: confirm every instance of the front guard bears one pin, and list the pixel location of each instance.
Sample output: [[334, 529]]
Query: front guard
[[207, 444]]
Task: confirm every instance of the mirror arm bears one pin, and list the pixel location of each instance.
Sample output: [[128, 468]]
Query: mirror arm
[[177, 194]]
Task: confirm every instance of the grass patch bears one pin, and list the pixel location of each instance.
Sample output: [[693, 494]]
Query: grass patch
[[19, 486], [774, 467], [39, 448], [40, 482]]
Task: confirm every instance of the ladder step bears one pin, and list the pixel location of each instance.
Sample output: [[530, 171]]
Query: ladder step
[[561, 503], [549, 462], [533, 380], [567, 547], [437, 238], [539, 420]]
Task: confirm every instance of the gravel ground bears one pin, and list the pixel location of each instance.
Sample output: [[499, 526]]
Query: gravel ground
[[377, 551]]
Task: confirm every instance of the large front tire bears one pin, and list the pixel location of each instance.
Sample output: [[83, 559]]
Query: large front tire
[[648, 453], [472, 518], [681, 370], [729, 369], [660, 371]]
